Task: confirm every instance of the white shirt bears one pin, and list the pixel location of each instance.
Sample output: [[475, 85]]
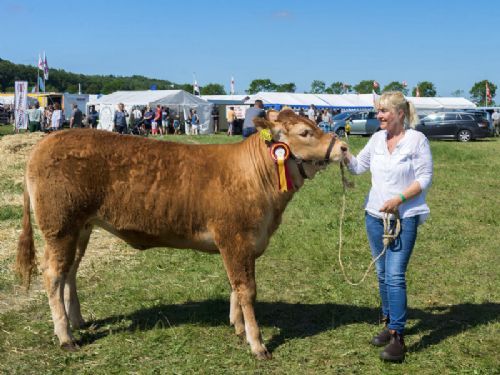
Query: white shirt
[[410, 161], [495, 116], [310, 114], [137, 114], [57, 118]]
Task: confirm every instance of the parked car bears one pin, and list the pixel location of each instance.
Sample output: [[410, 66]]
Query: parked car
[[362, 123], [463, 126]]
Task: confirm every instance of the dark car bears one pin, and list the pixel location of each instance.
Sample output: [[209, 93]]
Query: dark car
[[463, 126]]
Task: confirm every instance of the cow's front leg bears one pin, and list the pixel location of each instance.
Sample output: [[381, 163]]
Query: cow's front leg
[[236, 315], [241, 273]]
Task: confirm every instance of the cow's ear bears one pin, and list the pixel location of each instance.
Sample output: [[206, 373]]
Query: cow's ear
[[275, 127]]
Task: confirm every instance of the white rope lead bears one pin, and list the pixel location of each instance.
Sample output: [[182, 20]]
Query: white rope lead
[[390, 234]]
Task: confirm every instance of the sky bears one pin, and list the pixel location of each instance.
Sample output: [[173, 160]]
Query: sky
[[451, 43]]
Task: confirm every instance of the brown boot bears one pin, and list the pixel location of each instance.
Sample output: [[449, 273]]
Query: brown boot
[[383, 337], [395, 351]]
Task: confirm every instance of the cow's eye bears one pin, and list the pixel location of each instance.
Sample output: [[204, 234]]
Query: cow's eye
[[304, 133]]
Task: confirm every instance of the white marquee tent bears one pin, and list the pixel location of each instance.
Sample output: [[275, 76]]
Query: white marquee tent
[[178, 100], [353, 102]]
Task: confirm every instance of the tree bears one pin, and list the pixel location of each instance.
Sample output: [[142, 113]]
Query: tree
[[396, 86], [366, 87], [286, 87], [213, 89], [318, 87], [425, 88], [338, 88], [478, 92], [457, 93], [261, 85]]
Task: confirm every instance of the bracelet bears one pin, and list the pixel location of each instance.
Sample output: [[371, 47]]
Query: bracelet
[[403, 198]]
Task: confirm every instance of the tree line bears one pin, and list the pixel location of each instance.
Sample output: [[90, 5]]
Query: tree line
[[62, 81]]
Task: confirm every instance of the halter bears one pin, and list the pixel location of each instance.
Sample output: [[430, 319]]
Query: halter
[[300, 162]]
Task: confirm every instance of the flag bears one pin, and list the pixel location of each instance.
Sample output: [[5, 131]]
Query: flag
[[404, 83], [488, 93], [417, 92], [196, 89], [375, 98], [40, 62], [231, 91], [41, 85], [45, 67]]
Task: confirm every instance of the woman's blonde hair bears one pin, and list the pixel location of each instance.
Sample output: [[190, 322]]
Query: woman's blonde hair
[[396, 100]]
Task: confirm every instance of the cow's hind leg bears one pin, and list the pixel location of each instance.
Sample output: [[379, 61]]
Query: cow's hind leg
[[71, 301], [241, 273], [236, 314], [59, 256]]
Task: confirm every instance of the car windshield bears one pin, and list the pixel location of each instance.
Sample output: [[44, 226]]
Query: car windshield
[[341, 116]]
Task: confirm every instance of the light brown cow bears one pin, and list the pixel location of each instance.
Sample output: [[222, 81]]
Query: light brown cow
[[214, 198]]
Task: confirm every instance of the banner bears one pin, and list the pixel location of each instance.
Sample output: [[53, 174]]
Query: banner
[[21, 105]]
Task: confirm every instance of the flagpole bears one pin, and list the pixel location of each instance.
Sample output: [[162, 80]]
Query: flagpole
[[194, 80]]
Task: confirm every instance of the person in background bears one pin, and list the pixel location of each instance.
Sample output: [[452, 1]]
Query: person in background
[[177, 125], [57, 117], [302, 113], [148, 119], [120, 119], [76, 117], [400, 161], [35, 116], [47, 115], [165, 114], [326, 117], [231, 118], [496, 123], [256, 111], [137, 116], [272, 115], [311, 113], [195, 123], [215, 118], [93, 117], [158, 119]]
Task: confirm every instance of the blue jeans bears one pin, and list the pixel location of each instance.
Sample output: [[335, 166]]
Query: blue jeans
[[391, 267], [247, 132]]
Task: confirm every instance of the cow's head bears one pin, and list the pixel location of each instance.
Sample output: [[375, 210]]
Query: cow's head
[[306, 140]]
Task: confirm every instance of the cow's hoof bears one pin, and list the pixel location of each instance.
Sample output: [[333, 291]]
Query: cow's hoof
[[70, 347], [263, 355], [241, 335], [80, 324]]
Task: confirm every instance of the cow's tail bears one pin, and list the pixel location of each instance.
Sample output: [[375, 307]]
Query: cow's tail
[[26, 253]]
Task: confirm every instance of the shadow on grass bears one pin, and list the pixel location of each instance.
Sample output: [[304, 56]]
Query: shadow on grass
[[300, 320]]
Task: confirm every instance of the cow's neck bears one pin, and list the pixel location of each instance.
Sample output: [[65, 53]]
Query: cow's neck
[[264, 168]]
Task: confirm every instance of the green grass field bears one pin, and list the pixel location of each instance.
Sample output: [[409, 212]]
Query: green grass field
[[166, 311]]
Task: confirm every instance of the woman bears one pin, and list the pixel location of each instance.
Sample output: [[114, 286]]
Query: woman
[[57, 118], [120, 119], [400, 161]]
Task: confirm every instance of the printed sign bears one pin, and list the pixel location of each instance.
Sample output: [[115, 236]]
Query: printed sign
[[21, 105]]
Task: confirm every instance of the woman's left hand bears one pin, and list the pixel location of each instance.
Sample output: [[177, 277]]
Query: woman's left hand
[[391, 206]]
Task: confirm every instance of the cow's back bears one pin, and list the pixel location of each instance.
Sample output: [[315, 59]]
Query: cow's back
[[144, 189]]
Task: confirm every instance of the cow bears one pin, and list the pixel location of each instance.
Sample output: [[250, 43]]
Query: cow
[[224, 198]]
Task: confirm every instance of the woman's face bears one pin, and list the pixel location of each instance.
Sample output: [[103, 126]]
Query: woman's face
[[390, 118]]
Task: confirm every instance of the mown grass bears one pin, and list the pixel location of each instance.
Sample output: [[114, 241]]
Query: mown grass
[[166, 310]]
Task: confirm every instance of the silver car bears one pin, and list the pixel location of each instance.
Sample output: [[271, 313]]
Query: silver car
[[362, 123]]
